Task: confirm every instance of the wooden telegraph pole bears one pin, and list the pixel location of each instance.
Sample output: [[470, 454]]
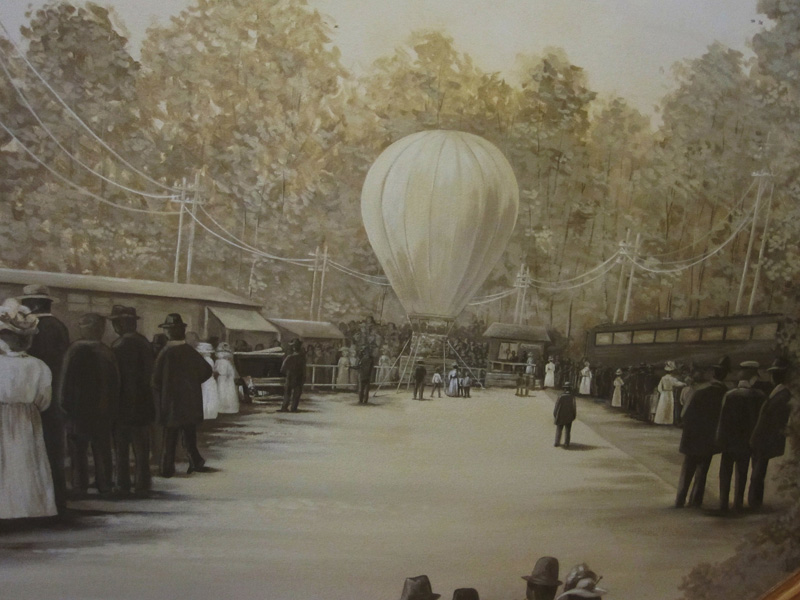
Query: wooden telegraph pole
[[762, 175], [182, 201], [630, 278], [623, 246], [190, 250]]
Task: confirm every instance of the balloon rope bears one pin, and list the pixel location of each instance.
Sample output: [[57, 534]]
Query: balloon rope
[[380, 383], [413, 358]]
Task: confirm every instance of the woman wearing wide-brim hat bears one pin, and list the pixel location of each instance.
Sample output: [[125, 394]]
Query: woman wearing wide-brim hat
[[665, 407], [616, 397], [26, 483]]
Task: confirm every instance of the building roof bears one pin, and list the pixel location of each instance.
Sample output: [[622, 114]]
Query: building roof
[[242, 319], [522, 333], [309, 329], [115, 285]]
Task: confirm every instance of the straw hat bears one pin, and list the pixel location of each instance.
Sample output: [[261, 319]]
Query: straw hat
[[37, 291], [670, 366]]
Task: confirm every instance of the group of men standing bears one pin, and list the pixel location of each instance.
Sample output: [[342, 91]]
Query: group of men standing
[[746, 425], [110, 399]]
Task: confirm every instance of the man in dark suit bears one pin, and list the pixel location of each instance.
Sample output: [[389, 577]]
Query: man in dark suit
[[564, 413], [294, 368], [698, 440], [89, 395], [136, 410], [420, 372], [769, 435], [737, 419], [50, 345], [365, 366], [178, 374]]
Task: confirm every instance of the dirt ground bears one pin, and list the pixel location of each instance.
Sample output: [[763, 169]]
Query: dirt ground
[[342, 501]]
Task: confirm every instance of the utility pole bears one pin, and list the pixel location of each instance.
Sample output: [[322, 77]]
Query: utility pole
[[623, 248], [313, 285], [761, 253], [180, 232], [190, 251], [322, 279], [762, 175], [630, 278]]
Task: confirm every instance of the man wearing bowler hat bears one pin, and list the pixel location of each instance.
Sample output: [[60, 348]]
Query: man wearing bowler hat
[[178, 375], [418, 588], [50, 345], [543, 582], [769, 435], [698, 440], [737, 418], [89, 395], [136, 409], [564, 413]]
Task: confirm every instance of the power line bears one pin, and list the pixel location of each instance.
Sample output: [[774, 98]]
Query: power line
[[242, 245], [78, 187], [77, 118], [700, 259], [52, 136], [711, 231], [582, 275]]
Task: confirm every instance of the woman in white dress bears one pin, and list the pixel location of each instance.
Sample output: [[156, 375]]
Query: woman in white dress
[[550, 373], [384, 368], [616, 398], [209, 386], [26, 482], [226, 380], [452, 382], [343, 368], [354, 365], [585, 388], [665, 408]]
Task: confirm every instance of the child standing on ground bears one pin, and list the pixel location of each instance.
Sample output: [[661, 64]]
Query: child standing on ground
[[437, 382]]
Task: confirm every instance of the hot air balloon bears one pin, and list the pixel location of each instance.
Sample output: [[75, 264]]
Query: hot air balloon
[[439, 208]]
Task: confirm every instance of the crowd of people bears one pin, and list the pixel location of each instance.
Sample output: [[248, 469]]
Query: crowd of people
[[59, 398], [542, 584], [743, 420]]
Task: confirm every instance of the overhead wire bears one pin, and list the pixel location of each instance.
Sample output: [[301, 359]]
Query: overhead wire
[[701, 259], [711, 231], [52, 136], [78, 187], [77, 118]]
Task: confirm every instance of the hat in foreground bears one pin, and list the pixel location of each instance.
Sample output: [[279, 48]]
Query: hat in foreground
[[37, 291], [779, 364], [466, 594], [418, 588], [17, 318], [545, 572], [123, 312], [173, 320]]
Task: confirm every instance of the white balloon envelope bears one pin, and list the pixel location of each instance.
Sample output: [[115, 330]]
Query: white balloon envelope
[[439, 208]]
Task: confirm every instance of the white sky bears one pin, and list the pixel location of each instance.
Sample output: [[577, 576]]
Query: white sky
[[626, 46]]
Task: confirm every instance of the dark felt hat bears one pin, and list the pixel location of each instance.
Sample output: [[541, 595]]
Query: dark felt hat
[[779, 364], [91, 320], [545, 572], [466, 594], [173, 320], [724, 363], [123, 312], [418, 588]]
